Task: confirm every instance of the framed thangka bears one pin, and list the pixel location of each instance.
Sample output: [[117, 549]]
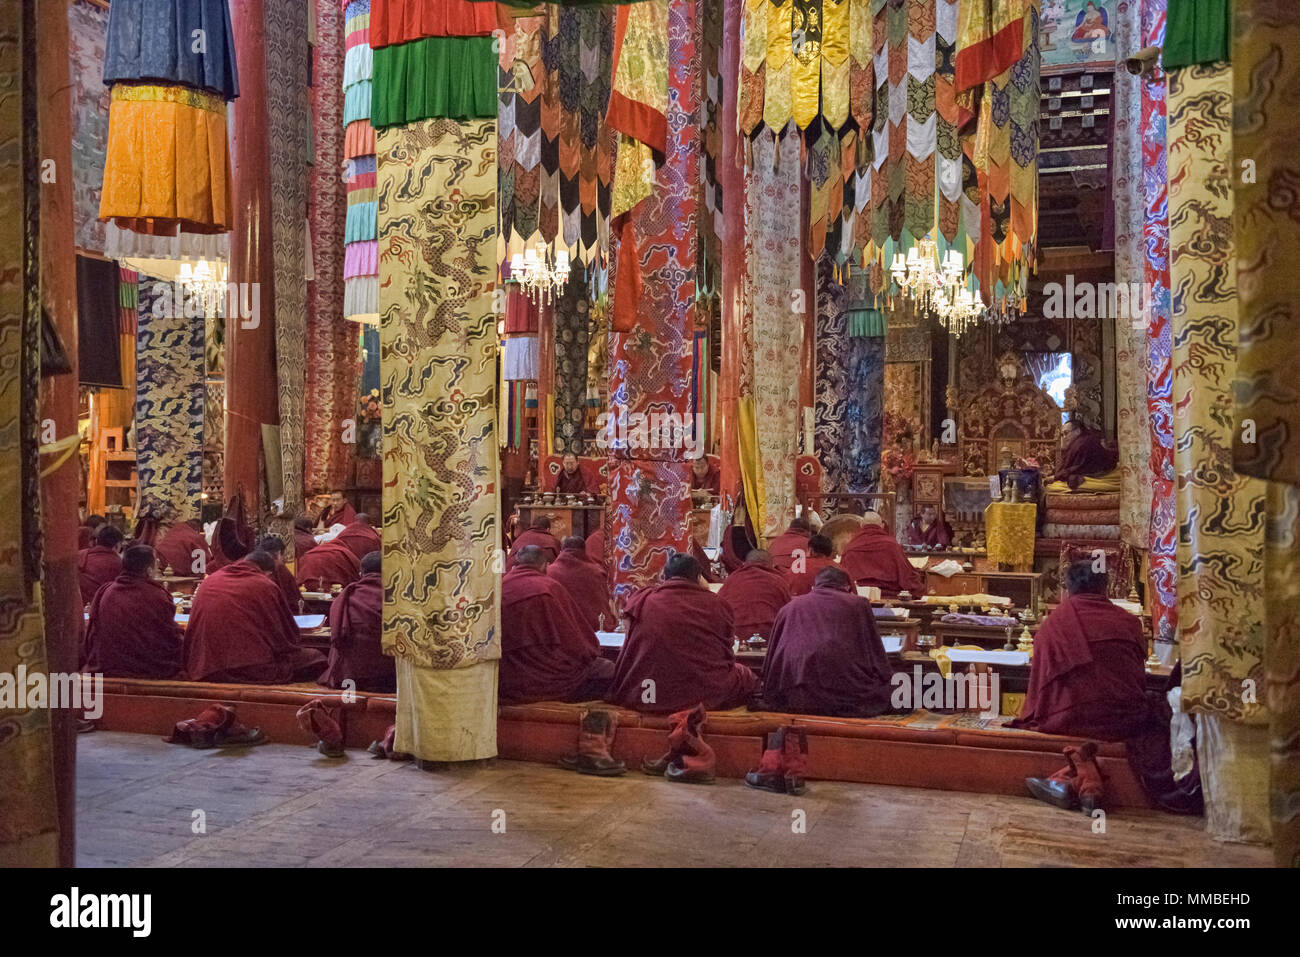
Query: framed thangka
[[1077, 33]]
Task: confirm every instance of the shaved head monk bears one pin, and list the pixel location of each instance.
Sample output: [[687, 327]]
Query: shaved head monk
[[303, 539], [929, 529], [571, 481], [1085, 454], [360, 537], [356, 624], [820, 554], [184, 550], [755, 592], [793, 540], [338, 512], [706, 477], [826, 656], [548, 652], [678, 648], [586, 583], [86, 531], [327, 565], [539, 534], [241, 630], [100, 563], [273, 545], [872, 557], [133, 631]]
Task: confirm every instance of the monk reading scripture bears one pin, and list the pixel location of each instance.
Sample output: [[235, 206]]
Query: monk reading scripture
[[872, 557], [184, 550], [754, 592], [571, 481], [821, 554], [360, 537], [677, 653], [586, 583], [825, 656], [133, 631], [793, 540], [241, 630], [303, 540], [706, 477], [356, 620], [929, 529], [547, 651], [328, 565], [1088, 680], [338, 512], [539, 534], [100, 563], [273, 545]]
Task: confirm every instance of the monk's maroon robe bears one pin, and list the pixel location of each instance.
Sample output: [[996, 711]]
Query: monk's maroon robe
[[587, 585], [596, 547], [96, 567], [679, 637], [176, 550], [133, 631], [1085, 456], [801, 583], [356, 650], [710, 482], [360, 539], [241, 630], [938, 535], [303, 542], [288, 586], [575, 484], [84, 533], [754, 593], [872, 557], [1088, 674], [547, 652], [344, 516], [534, 536], [826, 657], [328, 564], [784, 546]]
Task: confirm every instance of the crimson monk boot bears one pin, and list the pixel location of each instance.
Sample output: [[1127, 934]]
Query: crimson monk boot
[[314, 719], [595, 737], [796, 759], [676, 735], [770, 773], [1091, 782], [1061, 789], [694, 761]]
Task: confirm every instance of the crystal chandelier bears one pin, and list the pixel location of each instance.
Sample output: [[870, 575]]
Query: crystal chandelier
[[205, 282], [540, 276], [938, 287]]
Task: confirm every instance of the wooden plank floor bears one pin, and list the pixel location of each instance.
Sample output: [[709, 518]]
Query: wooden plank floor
[[282, 805]]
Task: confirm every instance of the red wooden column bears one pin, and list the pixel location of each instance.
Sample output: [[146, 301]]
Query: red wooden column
[[732, 173], [251, 391]]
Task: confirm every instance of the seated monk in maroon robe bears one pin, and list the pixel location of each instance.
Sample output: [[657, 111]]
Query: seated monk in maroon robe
[[86, 532], [360, 537], [929, 529], [133, 631], [571, 481], [706, 477], [100, 563], [184, 550], [872, 557], [539, 534], [548, 652], [241, 630], [825, 656], [586, 583], [793, 539], [596, 547], [338, 512], [677, 653], [755, 592], [821, 554], [327, 565], [273, 545], [1085, 455], [1088, 679], [303, 539], [356, 625]]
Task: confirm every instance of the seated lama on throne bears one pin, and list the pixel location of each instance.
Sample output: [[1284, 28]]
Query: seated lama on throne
[[1088, 461]]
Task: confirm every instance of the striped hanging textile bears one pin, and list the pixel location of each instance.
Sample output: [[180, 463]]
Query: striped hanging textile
[[360, 254]]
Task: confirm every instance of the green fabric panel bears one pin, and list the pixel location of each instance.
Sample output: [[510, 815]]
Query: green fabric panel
[[437, 77], [867, 323], [1197, 31]]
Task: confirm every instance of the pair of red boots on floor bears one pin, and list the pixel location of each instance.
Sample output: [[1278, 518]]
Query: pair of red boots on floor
[[215, 727], [1078, 785], [689, 759], [784, 764]]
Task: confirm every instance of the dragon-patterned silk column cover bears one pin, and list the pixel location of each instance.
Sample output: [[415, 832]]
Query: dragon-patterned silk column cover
[[437, 267]]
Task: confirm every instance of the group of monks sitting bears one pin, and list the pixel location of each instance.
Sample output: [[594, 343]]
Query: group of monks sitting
[[241, 627]]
